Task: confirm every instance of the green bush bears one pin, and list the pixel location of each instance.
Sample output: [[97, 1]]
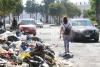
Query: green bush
[[94, 22]]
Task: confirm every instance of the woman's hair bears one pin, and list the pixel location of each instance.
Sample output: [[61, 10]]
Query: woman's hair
[[65, 20]]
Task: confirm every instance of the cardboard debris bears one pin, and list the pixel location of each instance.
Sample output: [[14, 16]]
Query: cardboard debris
[[2, 50]]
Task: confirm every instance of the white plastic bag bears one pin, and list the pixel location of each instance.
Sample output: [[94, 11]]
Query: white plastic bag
[[23, 37]]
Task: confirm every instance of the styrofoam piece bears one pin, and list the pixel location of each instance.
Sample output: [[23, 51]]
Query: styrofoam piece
[[71, 65], [46, 44], [45, 65], [23, 37], [25, 64]]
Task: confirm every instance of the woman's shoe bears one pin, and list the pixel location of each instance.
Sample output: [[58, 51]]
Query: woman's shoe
[[68, 52], [65, 53]]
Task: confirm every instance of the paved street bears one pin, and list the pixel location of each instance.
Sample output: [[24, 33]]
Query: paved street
[[83, 54]]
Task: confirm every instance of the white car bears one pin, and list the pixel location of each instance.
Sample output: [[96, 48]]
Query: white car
[[39, 23]]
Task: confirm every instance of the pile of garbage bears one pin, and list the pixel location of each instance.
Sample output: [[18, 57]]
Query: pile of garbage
[[24, 51]]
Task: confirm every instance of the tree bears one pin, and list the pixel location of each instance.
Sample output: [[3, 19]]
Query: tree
[[72, 10], [19, 9], [41, 10], [97, 8], [37, 9], [85, 13], [6, 7], [57, 9], [30, 7], [94, 12], [46, 6]]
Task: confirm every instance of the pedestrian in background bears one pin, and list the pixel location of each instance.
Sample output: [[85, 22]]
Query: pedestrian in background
[[1, 24], [66, 38], [14, 24]]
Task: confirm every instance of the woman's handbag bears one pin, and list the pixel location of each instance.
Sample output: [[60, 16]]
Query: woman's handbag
[[71, 40]]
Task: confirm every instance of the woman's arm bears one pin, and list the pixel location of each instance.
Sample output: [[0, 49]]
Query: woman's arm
[[61, 29], [71, 33]]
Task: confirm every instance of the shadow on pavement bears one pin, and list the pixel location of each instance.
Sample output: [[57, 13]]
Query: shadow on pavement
[[85, 41], [66, 56]]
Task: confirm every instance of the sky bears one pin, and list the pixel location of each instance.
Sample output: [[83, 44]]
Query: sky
[[24, 1]]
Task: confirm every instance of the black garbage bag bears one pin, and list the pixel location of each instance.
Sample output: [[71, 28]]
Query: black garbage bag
[[37, 39], [8, 43], [2, 31], [39, 51], [51, 62], [25, 44], [49, 49], [12, 38], [36, 61], [50, 54]]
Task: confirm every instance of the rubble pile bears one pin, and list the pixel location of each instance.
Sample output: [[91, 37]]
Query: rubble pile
[[24, 51]]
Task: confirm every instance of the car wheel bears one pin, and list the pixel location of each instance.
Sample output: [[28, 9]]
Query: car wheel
[[34, 34], [96, 40]]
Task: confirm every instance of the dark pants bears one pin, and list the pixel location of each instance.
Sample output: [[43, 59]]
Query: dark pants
[[13, 27]]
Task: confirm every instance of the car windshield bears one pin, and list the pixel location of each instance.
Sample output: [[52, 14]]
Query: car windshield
[[27, 22], [81, 23], [38, 21]]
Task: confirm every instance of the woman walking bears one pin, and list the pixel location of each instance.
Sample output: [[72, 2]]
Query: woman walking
[[66, 33]]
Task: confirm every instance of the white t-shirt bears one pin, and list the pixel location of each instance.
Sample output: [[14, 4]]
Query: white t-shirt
[[68, 25]]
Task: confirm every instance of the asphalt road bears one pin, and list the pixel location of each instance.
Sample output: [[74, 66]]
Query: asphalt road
[[83, 53]]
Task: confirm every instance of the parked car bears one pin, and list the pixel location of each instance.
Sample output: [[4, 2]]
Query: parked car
[[27, 26], [84, 29], [39, 23]]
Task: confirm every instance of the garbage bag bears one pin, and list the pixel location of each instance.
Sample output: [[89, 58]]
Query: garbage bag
[[13, 38], [39, 51], [2, 31], [49, 49], [37, 39], [50, 54]]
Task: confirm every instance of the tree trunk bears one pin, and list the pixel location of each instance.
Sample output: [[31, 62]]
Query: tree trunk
[[36, 16], [97, 11], [9, 18], [4, 22], [30, 15], [59, 20], [18, 17], [46, 18], [33, 15]]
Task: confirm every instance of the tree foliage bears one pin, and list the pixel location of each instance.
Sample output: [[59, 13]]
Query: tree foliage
[[46, 6], [94, 12], [85, 13], [72, 10], [57, 9], [29, 7], [6, 7], [19, 9]]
